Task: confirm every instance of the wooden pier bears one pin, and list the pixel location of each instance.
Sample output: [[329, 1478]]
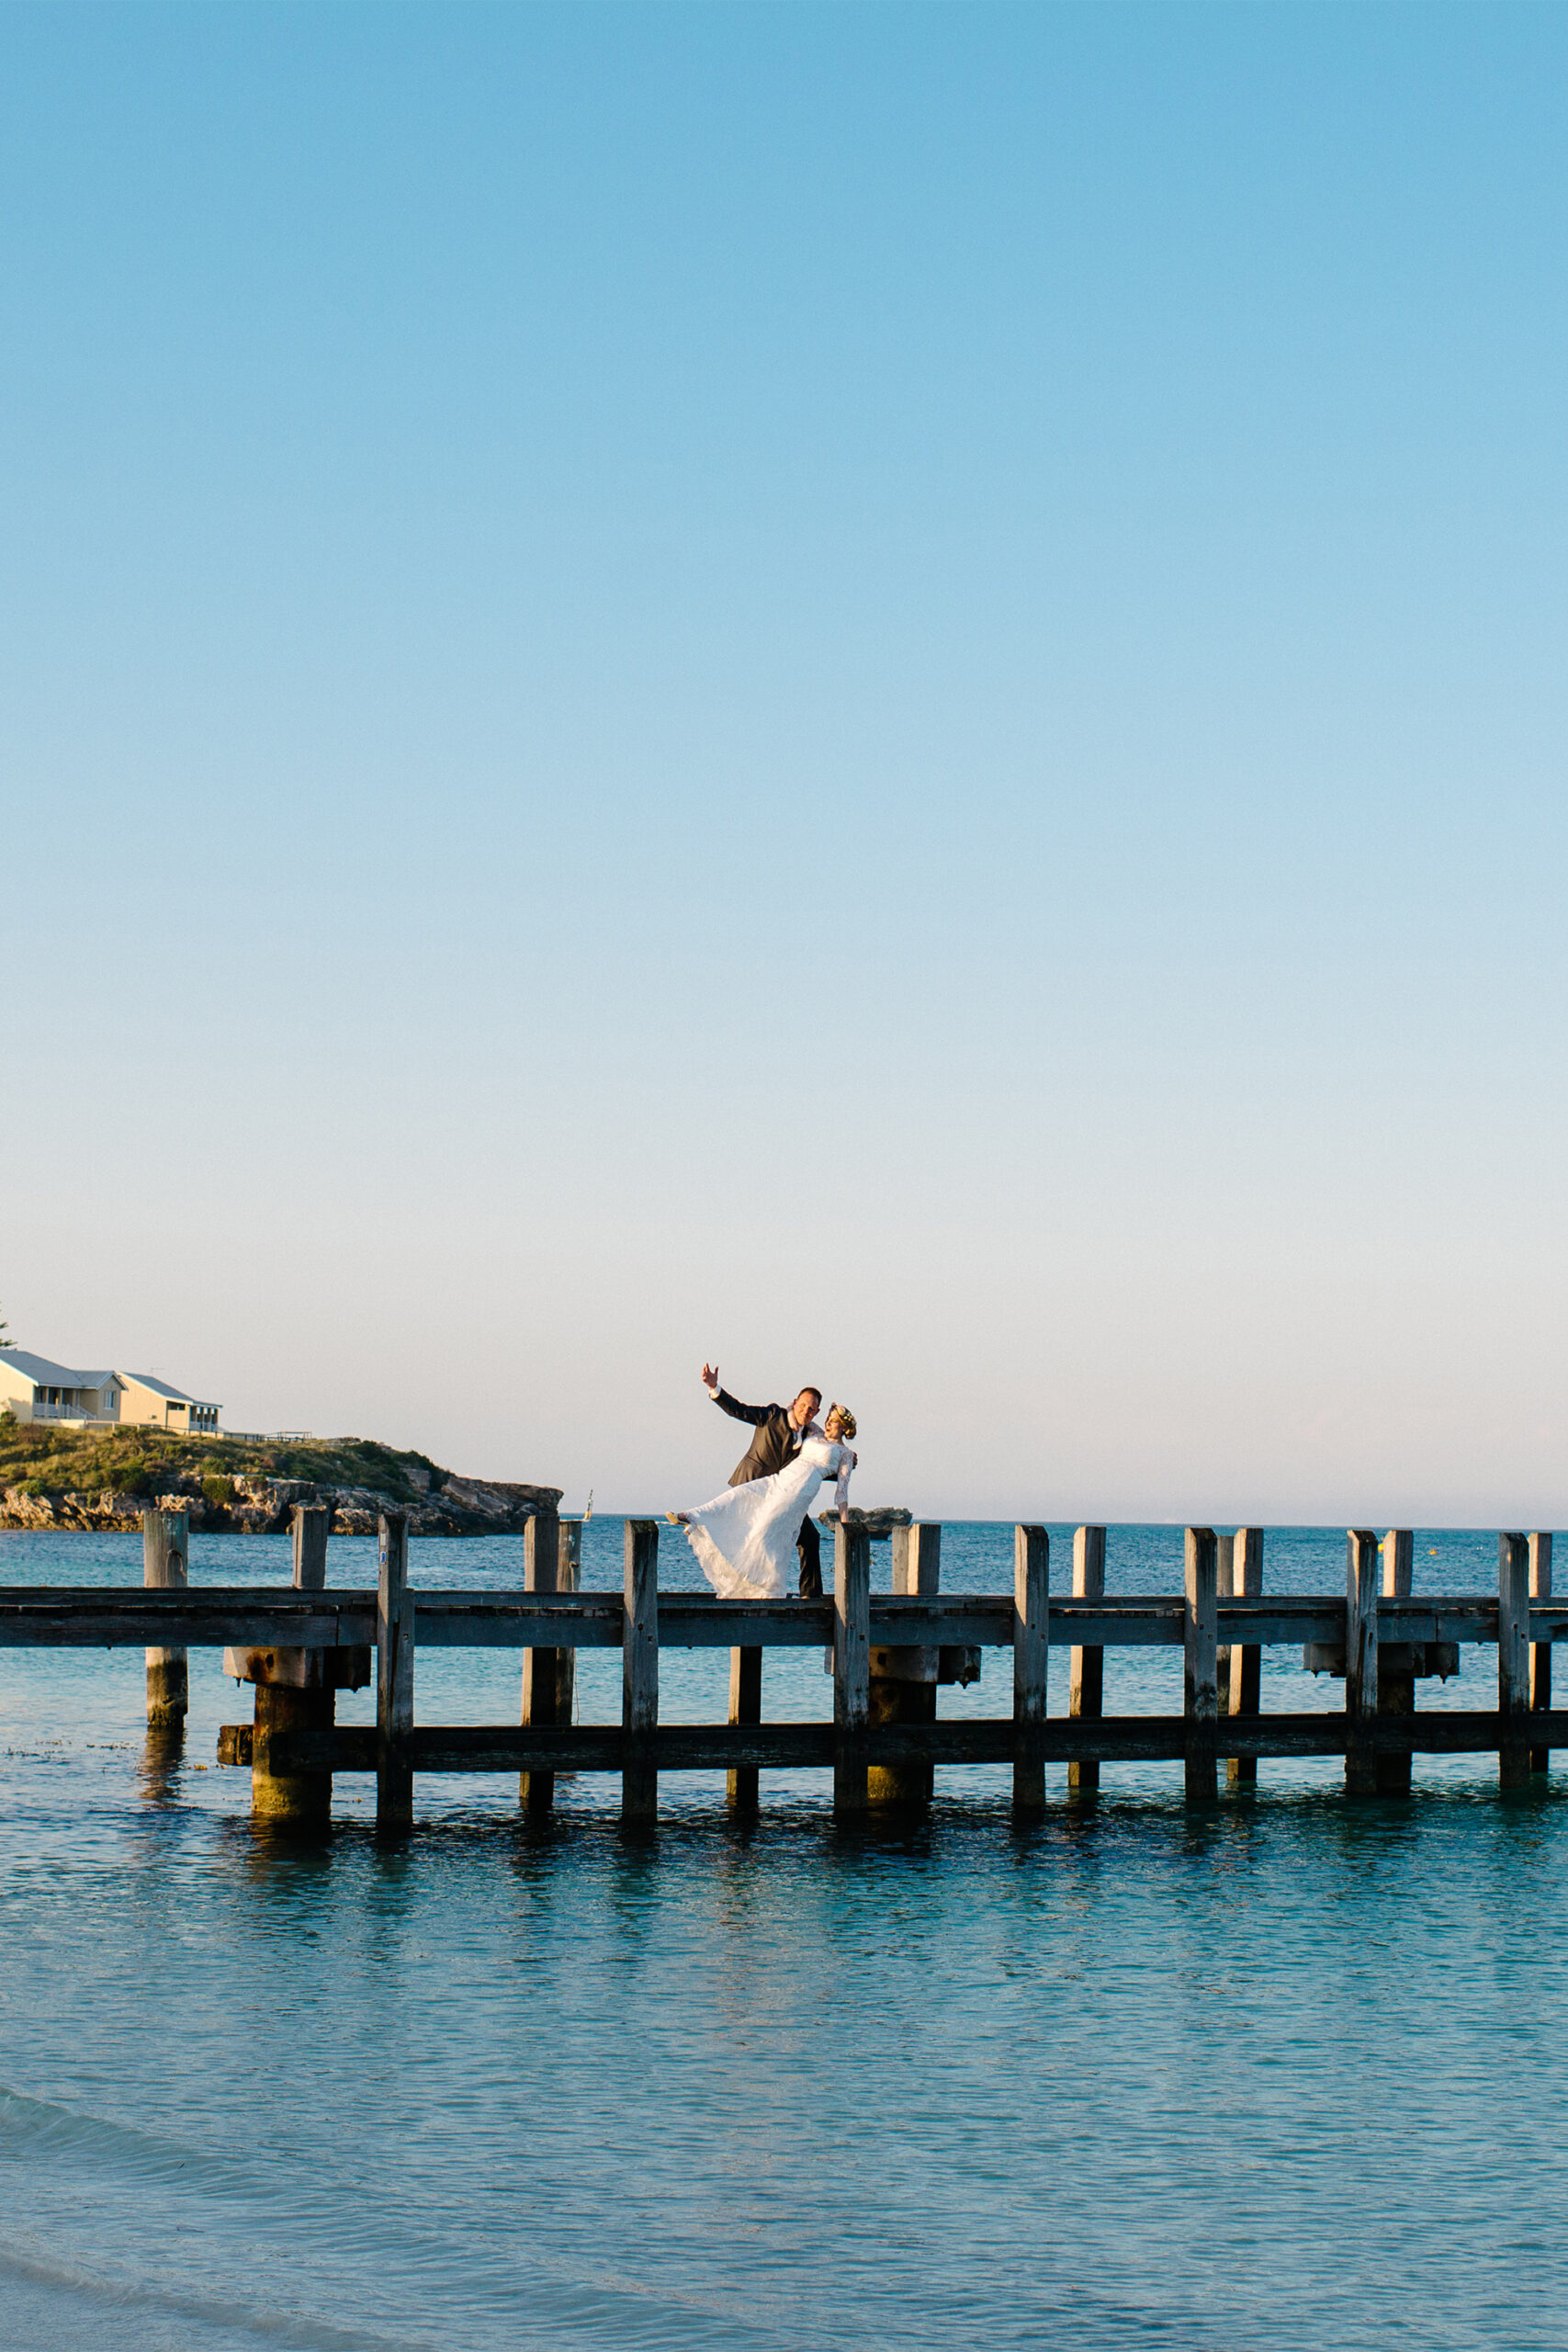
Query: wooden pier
[[301, 1643]]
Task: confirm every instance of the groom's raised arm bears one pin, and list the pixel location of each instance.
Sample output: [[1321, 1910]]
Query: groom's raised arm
[[755, 1414]]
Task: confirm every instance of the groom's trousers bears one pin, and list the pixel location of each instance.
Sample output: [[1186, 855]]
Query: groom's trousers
[[809, 1547]]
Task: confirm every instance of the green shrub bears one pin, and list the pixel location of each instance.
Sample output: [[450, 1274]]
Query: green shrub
[[219, 1492]]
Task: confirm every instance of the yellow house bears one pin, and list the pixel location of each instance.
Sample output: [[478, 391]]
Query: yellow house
[[34, 1389]]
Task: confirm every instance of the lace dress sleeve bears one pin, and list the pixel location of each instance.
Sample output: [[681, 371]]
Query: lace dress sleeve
[[841, 1491]]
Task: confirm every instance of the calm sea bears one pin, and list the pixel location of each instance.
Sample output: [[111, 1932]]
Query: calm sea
[[1291, 2074]]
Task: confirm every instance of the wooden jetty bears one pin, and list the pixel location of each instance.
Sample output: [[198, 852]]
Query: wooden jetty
[[890, 1651]]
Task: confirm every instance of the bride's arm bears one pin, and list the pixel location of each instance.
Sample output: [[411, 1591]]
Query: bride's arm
[[841, 1491]]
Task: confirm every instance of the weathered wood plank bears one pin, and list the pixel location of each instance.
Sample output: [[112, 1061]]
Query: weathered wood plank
[[1030, 1666], [1200, 1686], [1086, 1660], [541, 1667], [851, 1669], [394, 1679], [166, 1555], [639, 1673], [215, 1616], [505, 1748], [1540, 1652], [1514, 1660]]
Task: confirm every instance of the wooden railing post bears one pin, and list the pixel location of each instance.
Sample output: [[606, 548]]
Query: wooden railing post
[[1362, 1578], [166, 1558], [1540, 1652], [1031, 1662], [1396, 1662], [541, 1668], [1242, 1693], [904, 1677], [639, 1672], [1200, 1698], [1086, 1661], [851, 1668], [1513, 1660], [394, 1677]]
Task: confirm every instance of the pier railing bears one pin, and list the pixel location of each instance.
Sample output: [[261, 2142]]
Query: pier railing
[[889, 1652]]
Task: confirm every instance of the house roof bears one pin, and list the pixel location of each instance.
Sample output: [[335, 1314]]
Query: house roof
[[162, 1389], [44, 1374]]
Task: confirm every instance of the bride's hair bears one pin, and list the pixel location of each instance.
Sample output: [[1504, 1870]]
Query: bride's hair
[[846, 1418]]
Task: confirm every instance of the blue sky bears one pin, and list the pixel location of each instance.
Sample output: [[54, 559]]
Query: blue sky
[[874, 690]]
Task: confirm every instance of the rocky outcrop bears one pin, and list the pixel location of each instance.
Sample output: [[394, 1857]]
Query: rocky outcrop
[[262, 1506]]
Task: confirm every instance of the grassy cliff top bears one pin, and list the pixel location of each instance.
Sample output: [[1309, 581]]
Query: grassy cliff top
[[47, 1459]]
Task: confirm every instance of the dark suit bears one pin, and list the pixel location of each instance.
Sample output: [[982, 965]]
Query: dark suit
[[775, 1445]]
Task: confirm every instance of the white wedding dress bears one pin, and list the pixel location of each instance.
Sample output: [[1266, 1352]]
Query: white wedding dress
[[745, 1537]]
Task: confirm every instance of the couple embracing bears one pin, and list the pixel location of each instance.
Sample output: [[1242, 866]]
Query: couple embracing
[[744, 1536]]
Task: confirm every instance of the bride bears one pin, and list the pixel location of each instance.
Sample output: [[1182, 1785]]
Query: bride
[[745, 1537]]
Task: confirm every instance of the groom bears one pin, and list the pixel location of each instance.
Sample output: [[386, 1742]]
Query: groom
[[780, 1433]]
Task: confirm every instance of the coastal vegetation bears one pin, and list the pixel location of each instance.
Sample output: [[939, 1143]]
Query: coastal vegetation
[[51, 1476]]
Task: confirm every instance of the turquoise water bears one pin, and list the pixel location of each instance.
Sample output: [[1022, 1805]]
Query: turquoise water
[[1290, 2071]]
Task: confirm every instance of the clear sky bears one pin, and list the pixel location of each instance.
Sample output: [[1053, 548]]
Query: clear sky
[[876, 691]]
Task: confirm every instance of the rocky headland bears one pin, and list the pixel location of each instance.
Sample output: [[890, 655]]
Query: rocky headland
[[92, 1480]]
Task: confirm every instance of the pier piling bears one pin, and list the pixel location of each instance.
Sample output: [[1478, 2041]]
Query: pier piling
[[541, 1668], [639, 1672], [745, 1707], [1031, 1658], [165, 1556], [1363, 1575], [1086, 1661], [1513, 1660], [394, 1679], [1200, 1698], [1396, 1661], [851, 1668], [1241, 1693], [293, 1696], [1540, 1652], [903, 1681]]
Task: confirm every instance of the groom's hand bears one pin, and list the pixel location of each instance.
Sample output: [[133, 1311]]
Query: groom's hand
[[710, 1379]]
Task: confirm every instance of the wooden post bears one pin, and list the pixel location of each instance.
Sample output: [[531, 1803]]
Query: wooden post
[[1085, 1666], [639, 1671], [1540, 1652], [541, 1668], [745, 1707], [851, 1668], [904, 1677], [569, 1578], [165, 1556], [394, 1677], [1242, 1693], [1514, 1660], [1396, 1680], [1031, 1657], [1362, 1576], [1200, 1696], [285, 1705]]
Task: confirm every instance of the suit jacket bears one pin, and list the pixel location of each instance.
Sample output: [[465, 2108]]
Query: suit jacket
[[777, 1440]]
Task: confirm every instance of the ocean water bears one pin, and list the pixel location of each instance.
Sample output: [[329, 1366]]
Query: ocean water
[[1289, 2071]]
